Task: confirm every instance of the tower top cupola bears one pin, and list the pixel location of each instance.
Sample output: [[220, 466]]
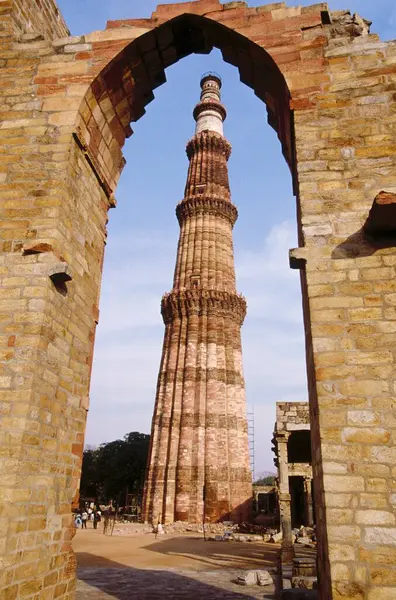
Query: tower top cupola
[[210, 113]]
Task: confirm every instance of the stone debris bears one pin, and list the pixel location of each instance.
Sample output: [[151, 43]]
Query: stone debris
[[251, 578], [305, 542], [306, 583], [276, 538], [264, 578], [305, 536], [255, 528], [247, 537], [133, 529]]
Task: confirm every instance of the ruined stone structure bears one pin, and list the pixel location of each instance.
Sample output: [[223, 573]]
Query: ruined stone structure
[[265, 505], [67, 104], [199, 464], [292, 447]]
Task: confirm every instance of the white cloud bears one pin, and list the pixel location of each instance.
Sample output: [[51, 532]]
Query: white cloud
[[130, 334], [266, 280]]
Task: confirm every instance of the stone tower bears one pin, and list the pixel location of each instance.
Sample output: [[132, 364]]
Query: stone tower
[[199, 465]]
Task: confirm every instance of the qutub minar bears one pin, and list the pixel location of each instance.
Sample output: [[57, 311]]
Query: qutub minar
[[199, 463]]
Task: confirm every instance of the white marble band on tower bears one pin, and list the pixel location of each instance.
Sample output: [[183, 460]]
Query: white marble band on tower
[[210, 113]]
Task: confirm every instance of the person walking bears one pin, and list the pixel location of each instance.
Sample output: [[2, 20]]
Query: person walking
[[97, 519], [78, 521], [84, 518]]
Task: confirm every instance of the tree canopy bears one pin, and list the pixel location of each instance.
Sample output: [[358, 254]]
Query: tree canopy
[[114, 469], [267, 480]]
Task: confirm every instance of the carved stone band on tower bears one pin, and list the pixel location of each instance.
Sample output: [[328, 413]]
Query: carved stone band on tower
[[199, 466]]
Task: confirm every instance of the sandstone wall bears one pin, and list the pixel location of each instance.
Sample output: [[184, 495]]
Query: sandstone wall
[[292, 415], [39, 16]]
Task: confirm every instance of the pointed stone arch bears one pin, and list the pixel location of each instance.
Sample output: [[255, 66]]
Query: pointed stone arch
[[117, 96]]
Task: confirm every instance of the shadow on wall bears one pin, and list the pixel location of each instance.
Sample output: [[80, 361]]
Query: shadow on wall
[[113, 581], [360, 244]]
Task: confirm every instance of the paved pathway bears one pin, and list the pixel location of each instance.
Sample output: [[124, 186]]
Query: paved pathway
[[173, 584]]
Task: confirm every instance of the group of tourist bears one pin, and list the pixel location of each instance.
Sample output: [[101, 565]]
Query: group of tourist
[[89, 513]]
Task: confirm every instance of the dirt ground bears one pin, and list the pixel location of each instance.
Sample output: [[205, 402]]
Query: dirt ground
[[174, 565], [184, 551]]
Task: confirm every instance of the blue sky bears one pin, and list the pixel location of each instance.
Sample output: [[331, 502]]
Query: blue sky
[[143, 234]]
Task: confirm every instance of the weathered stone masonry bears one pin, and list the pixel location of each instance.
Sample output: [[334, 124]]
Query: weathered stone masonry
[[66, 108], [199, 463]]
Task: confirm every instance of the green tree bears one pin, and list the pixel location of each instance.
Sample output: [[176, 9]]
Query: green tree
[[268, 480], [90, 485], [115, 468]]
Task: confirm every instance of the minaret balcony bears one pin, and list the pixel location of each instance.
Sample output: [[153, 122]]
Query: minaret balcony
[[201, 205], [198, 301], [208, 140]]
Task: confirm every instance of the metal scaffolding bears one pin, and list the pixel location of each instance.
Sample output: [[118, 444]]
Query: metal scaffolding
[[250, 420]]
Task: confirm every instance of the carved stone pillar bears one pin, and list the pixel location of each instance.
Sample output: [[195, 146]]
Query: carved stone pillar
[[308, 503]]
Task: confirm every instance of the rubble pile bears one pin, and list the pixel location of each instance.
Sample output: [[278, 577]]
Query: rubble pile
[[305, 536], [210, 528], [132, 529], [225, 531], [250, 528]]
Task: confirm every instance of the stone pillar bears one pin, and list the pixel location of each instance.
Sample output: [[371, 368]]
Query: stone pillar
[[284, 496], [308, 503]]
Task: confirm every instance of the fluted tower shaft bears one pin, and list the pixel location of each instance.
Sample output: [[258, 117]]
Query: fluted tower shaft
[[199, 464]]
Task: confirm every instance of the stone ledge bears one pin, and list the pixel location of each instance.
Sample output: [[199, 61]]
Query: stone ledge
[[298, 258]]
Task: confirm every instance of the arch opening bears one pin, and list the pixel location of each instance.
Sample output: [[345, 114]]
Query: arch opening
[[112, 108], [258, 235]]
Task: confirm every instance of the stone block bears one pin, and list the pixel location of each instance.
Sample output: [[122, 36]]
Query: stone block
[[374, 517], [60, 42], [366, 436], [380, 536], [304, 567]]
